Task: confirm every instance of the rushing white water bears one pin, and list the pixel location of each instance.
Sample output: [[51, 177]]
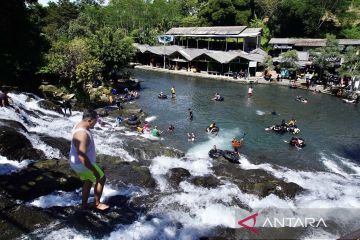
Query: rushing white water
[[197, 209]]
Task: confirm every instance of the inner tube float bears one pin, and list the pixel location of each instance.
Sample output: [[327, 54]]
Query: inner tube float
[[216, 153], [133, 122], [349, 101], [297, 142], [213, 130], [220, 99], [162, 96], [231, 156], [301, 99]]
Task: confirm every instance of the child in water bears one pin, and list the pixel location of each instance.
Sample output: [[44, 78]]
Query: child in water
[[191, 137]]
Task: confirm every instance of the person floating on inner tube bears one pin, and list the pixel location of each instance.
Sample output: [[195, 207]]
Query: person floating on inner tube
[[171, 128], [217, 97], [162, 95], [146, 128], [301, 99], [297, 142], [212, 128], [292, 122], [236, 144]]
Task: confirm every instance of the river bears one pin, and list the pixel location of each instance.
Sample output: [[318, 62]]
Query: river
[[330, 128]]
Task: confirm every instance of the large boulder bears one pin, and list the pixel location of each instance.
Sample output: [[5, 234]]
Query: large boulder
[[257, 181], [17, 220], [130, 173], [49, 105], [145, 149], [40, 178], [97, 223], [56, 142], [177, 175], [15, 146], [208, 181], [13, 124]]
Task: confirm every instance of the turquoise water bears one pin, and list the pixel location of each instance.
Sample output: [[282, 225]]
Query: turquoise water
[[331, 128]]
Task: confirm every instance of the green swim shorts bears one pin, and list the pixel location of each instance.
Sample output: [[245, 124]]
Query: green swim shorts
[[88, 175]]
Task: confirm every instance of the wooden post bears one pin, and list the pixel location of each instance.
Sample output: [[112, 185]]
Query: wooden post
[[208, 43], [197, 43], [225, 44]]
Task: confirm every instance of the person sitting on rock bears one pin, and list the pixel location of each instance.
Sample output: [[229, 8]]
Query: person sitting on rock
[[155, 132]]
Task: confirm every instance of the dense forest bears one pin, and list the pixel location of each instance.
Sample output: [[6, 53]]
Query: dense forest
[[78, 41]]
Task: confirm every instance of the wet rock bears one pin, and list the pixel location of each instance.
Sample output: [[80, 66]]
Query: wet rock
[[46, 104], [56, 142], [147, 201], [257, 181], [130, 173], [13, 124], [107, 160], [40, 178], [208, 181], [15, 146], [98, 223], [21, 219], [177, 175], [146, 149]]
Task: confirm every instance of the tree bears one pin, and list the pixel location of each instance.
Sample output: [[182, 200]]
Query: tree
[[289, 59], [21, 43], [225, 12], [327, 57], [112, 48], [269, 8], [73, 63], [265, 36], [268, 63], [351, 65]]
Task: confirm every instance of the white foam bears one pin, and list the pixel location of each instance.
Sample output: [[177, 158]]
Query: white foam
[[222, 141], [62, 198], [9, 166], [151, 118], [260, 113]]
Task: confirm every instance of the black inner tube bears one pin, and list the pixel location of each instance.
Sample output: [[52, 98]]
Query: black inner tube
[[215, 153], [231, 156]]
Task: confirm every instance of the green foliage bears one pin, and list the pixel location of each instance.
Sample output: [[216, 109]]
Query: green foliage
[[268, 63], [73, 63], [326, 57], [225, 12], [289, 59], [21, 42], [352, 32], [265, 37], [351, 65], [112, 48]]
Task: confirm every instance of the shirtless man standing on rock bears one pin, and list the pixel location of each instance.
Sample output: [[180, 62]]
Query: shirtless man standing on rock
[[83, 160]]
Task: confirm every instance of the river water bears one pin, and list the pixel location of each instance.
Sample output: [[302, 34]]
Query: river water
[[327, 168], [330, 128]]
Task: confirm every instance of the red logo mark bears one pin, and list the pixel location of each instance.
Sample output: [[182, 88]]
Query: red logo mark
[[253, 217]]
